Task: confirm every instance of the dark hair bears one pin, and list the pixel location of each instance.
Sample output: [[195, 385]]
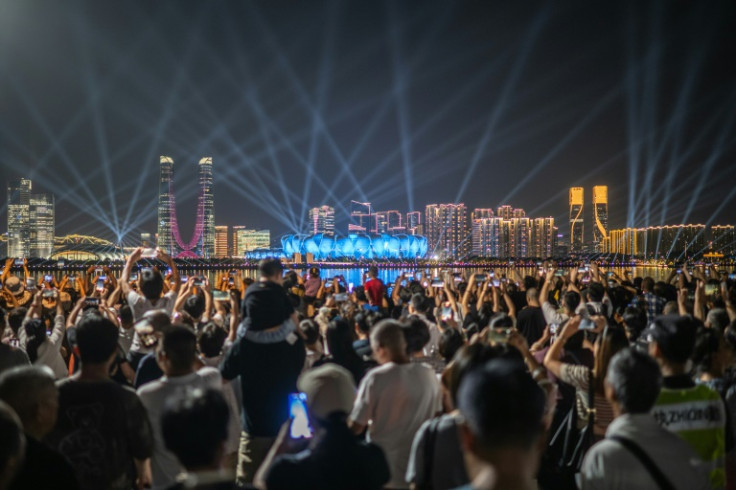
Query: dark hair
[[635, 379], [419, 303], [36, 333], [194, 426], [416, 334], [635, 321], [675, 337], [270, 267], [126, 314], [97, 339], [310, 329], [571, 300], [152, 284], [359, 292], [373, 271], [610, 342], [596, 292], [707, 344], [180, 346], [194, 306], [647, 284], [12, 439], [211, 339], [364, 322], [340, 343], [502, 405], [16, 317], [450, 342], [501, 320]]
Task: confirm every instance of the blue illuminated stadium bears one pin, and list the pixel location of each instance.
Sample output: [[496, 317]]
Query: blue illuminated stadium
[[352, 247]]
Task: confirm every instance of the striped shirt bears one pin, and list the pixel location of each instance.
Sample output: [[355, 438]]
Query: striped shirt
[[578, 377]]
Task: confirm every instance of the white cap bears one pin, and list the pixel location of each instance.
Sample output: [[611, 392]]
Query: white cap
[[329, 388]]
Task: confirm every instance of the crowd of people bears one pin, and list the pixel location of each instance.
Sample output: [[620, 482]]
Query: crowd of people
[[564, 378]]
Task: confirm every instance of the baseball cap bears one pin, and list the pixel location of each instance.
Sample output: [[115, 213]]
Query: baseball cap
[[675, 336], [329, 388]]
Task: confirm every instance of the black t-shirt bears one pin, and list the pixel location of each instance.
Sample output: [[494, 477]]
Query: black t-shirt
[[530, 322], [101, 428], [266, 305], [148, 370], [43, 468], [337, 461], [268, 373]]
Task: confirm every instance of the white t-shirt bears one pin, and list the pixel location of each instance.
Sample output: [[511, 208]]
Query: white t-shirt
[[140, 305], [394, 400], [154, 396]]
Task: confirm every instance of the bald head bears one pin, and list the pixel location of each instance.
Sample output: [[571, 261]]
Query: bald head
[[388, 336], [32, 394], [532, 295]]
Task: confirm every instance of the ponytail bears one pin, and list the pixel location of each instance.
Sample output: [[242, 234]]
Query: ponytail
[[36, 333]]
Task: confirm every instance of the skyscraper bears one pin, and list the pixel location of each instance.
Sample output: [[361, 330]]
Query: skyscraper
[[247, 240], [723, 239], [414, 222], [42, 225], [322, 220], [479, 230], [600, 216], [361, 217], [576, 219], [208, 199], [446, 229], [222, 242], [543, 237], [19, 215], [165, 201]]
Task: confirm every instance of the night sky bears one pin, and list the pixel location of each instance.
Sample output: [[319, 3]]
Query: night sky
[[401, 103]]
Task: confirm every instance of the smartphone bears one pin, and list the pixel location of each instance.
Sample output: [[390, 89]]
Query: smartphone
[[100, 286], [586, 324], [299, 428], [559, 273], [711, 289], [71, 281], [496, 283], [499, 335], [18, 262], [92, 301], [341, 297], [438, 283], [582, 270], [230, 281], [409, 276], [457, 279], [199, 281], [30, 284], [491, 274], [481, 277], [133, 276], [48, 293], [732, 276], [99, 270], [168, 271], [183, 279], [585, 280], [149, 253], [609, 274], [679, 271], [553, 328], [60, 263], [218, 295], [48, 278], [328, 283], [541, 273], [350, 287]]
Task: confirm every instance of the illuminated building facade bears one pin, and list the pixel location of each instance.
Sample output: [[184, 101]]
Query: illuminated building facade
[[165, 201], [576, 219], [322, 220], [42, 225], [672, 242], [207, 197], [600, 216], [413, 223], [723, 240], [222, 242], [542, 237], [247, 240], [19, 215], [353, 247], [361, 217], [147, 240], [446, 229]]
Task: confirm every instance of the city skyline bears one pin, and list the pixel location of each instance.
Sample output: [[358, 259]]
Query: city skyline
[[400, 105]]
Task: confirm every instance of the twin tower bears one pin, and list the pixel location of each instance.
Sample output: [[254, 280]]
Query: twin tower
[[202, 242], [600, 218]]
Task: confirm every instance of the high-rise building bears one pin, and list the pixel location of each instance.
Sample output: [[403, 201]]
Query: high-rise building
[[576, 219], [479, 228], [222, 242], [208, 206], [247, 240], [672, 242], [600, 216], [446, 229], [361, 217], [723, 240], [414, 222], [19, 215], [394, 221], [42, 225], [322, 220], [234, 240], [381, 222], [543, 237], [165, 201]]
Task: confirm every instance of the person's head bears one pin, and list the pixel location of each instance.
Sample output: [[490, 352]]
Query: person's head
[[647, 285], [608, 344], [671, 308], [194, 306], [633, 381], [310, 329], [419, 304], [635, 321], [451, 340], [501, 320], [717, 318], [150, 327], [417, 335], [195, 428], [177, 351], [126, 316], [330, 393], [359, 293], [271, 270], [314, 272], [339, 338], [503, 409], [596, 292], [466, 359], [97, 340], [570, 302], [712, 354], [532, 296], [31, 392], [15, 318], [35, 330], [672, 339], [152, 283], [373, 272], [211, 339], [12, 445], [388, 342], [363, 323]]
